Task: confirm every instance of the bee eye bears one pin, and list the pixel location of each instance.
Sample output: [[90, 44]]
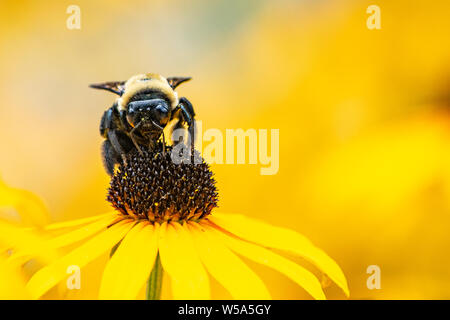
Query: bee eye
[[161, 109], [133, 108], [161, 113]]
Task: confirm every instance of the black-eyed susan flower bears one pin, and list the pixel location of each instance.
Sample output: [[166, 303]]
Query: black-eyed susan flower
[[163, 222]]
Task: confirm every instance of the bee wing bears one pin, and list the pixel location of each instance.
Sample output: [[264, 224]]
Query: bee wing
[[176, 81], [118, 87]]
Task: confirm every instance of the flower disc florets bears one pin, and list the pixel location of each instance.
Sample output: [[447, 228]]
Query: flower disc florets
[[151, 186]]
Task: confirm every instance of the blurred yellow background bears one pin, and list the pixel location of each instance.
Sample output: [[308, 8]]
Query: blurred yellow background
[[364, 119]]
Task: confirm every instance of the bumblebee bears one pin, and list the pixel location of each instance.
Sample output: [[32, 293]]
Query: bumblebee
[[146, 104]]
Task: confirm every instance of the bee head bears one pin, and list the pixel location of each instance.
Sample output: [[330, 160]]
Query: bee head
[[147, 99], [149, 115]]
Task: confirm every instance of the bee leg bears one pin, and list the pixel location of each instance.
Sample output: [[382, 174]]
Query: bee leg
[[188, 114], [164, 143], [176, 126], [114, 140], [134, 139], [191, 130], [110, 157], [136, 144], [164, 138]]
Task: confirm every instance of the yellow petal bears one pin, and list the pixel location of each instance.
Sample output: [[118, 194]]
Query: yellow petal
[[296, 273], [29, 206], [130, 266], [283, 239], [62, 240], [49, 276], [78, 222], [25, 242], [230, 271], [81, 233], [12, 284], [180, 260]]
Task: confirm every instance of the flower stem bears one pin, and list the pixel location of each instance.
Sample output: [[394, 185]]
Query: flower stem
[[154, 282]]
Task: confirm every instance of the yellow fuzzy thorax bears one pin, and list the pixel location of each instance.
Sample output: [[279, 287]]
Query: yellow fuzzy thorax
[[143, 82]]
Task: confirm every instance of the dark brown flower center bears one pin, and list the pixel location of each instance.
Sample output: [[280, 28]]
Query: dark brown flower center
[[151, 186]]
